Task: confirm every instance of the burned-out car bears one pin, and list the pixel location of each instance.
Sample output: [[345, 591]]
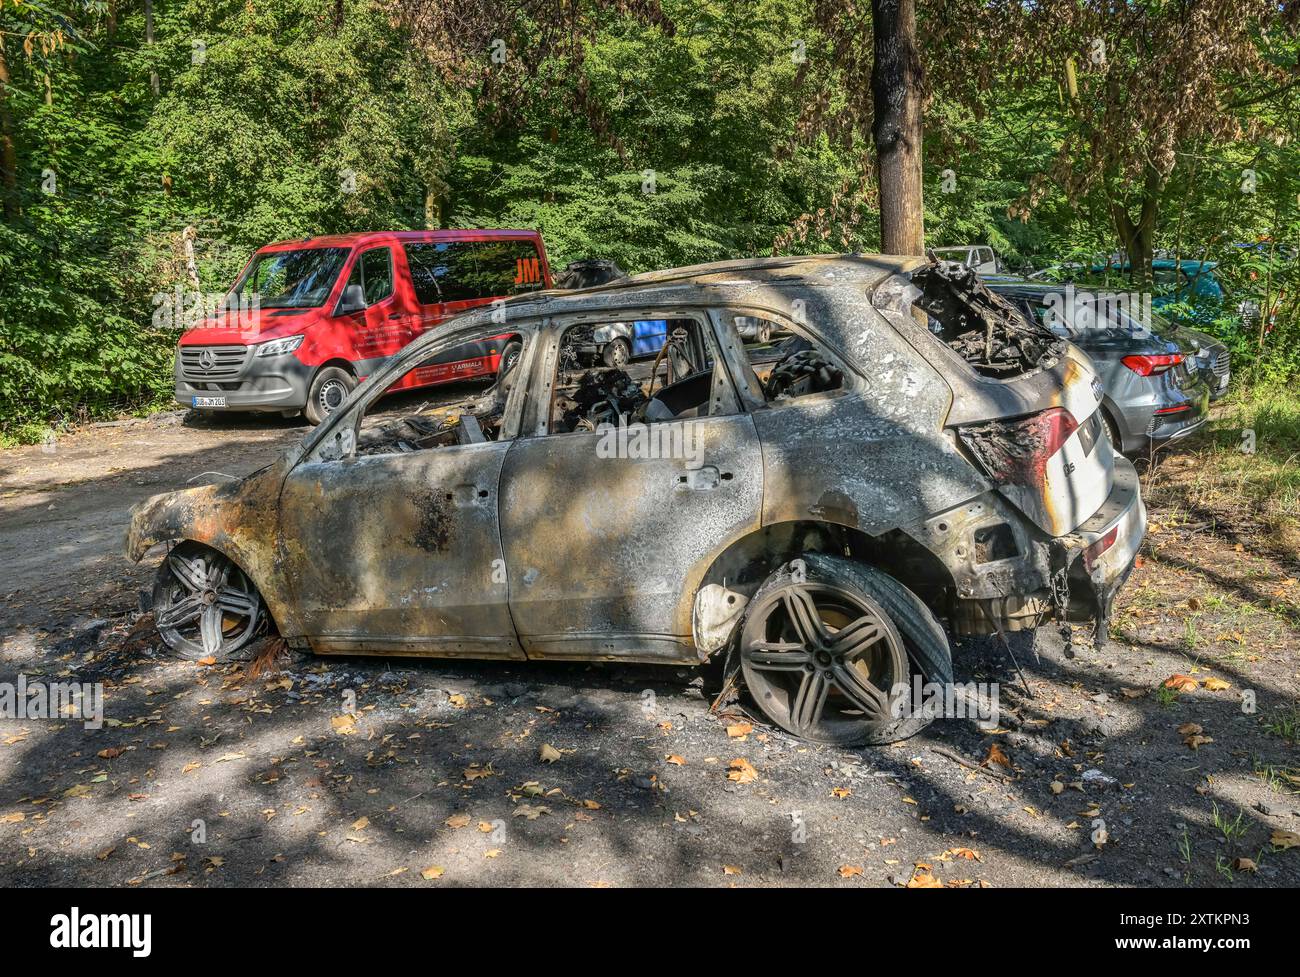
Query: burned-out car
[[914, 456]]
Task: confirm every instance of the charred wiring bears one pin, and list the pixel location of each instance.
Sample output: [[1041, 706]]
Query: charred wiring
[[981, 327]]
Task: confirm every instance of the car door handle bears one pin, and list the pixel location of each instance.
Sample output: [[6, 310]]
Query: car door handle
[[702, 479], [396, 315]]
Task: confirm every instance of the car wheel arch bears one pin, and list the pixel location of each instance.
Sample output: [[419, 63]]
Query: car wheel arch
[[737, 572]]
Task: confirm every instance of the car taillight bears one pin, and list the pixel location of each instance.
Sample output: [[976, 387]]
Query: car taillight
[[1016, 452], [1152, 366], [1091, 554]]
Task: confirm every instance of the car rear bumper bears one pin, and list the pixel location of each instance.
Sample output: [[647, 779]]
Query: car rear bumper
[[1106, 561], [1160, 422]]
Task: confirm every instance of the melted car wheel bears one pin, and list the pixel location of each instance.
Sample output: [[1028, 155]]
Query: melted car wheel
[[826, 645], [204, 605]]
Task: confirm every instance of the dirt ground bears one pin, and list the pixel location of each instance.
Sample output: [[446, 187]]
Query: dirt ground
[[469, 774]]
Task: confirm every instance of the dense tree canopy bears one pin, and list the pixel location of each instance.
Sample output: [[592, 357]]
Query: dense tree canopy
[[653, 133]]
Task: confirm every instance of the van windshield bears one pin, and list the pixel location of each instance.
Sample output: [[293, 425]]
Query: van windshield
[[292, 279]]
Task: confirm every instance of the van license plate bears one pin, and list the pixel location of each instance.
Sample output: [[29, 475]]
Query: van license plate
[[209, 401]]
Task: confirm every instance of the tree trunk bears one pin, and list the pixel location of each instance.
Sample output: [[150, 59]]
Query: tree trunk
[[8, 150], [896, 89], [148, 38], [1139, 236], [432, 212]]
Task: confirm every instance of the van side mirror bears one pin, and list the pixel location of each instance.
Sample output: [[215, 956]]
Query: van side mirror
[[353, 300]]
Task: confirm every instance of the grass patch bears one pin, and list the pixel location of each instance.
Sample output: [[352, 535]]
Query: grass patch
[[1249, 466]]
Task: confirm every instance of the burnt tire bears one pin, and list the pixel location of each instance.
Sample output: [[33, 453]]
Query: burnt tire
[[616, 353], [329, 388], [204, 605], [790, 668]]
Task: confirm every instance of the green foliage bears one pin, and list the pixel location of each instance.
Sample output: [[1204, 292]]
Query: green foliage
[[655, 146]]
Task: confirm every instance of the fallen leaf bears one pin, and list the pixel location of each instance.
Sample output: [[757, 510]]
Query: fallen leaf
[[1057, 787], [112, 753], [474, 771], [996, 755], [360, 824], [923, 880], [548, 753], [839, 793], [458, 700], [1183, 683], [848, 871], [530, 812], [741, 771], [675, 760], [492, 853], [431, 873], [732, 870], [13, 818], [1196, 742], [457, 821], [1216, 684], [77, 790], [738, 730], [344, 725], [1189, 729]]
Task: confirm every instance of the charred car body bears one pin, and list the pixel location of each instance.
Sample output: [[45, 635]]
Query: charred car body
[[916, 452]]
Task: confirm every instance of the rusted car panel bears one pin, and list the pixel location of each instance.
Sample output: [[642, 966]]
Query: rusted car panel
[[604, 556], [535, 545], [237, 518], [412, 553]]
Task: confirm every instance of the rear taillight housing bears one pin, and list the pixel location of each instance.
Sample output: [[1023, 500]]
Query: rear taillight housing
[[1093, 552], [1016, 452], [1145, 365]]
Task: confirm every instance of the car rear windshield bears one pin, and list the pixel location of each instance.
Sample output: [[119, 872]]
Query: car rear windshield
[[460, 271], [300, 279]]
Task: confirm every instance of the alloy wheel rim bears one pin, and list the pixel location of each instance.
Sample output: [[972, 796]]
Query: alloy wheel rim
[[821, 661], [211, 606]]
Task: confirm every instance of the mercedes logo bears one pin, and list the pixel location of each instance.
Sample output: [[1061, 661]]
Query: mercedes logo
[[206, 360]]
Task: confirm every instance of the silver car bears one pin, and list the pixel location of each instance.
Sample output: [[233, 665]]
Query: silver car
[[820, 516], [1155, 386]]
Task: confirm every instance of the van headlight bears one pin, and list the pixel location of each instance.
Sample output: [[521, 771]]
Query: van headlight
[[278, 347]]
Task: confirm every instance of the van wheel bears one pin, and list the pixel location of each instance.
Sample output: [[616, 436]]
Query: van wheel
[[509, 357], [204, 605], [329, 388], [616, 353], [828, 648]]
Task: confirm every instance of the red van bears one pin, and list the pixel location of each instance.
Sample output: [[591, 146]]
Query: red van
[[308, 320]]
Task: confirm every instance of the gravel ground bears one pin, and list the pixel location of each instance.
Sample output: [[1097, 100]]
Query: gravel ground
[[348, 771]]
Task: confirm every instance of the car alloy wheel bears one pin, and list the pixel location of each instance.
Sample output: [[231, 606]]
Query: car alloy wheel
[[204, 605], [822, 661], [617, 354]]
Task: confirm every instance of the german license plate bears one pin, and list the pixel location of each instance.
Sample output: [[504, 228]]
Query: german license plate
[[209, 402]]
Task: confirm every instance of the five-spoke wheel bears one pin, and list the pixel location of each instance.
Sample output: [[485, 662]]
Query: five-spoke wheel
[[204, 605], [827, 646]]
